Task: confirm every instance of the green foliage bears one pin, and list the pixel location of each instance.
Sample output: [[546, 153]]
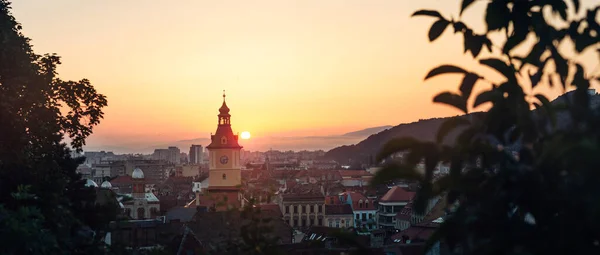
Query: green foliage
[[543, 201], [45, 206]]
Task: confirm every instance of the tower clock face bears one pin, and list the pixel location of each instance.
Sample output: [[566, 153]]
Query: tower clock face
[[224, 160]]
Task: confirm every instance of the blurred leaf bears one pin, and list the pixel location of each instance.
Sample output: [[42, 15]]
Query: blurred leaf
[[497, 15], [427, 13], [548, 108], [559, 7], [577, 5], [395, 171], [519, 16], [501, 67], [452, 99], [465, 4], [467, 84], [459, 27], [449, 125], [484, 97], [396, 145], [561, 65], [437, 29], [444, 69]]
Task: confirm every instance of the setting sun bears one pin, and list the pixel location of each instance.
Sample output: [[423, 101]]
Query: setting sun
[[245, 135]]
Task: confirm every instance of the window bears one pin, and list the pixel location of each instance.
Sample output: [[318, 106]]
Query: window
[[358, 216], [367, 204], [364, 216], [295, 223], [320, 208], [331, 200], [303, 223], [347, 223], [370, 216], [320, 222], [287, 209], [360, 204], [303, 209], [141, 213], [224, 176], [312, 208], [331, 224], [337, 223]]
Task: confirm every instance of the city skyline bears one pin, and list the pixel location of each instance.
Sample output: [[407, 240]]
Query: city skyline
[[291, 69]]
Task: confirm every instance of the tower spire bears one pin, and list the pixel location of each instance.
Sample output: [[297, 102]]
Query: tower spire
[[223, 96]]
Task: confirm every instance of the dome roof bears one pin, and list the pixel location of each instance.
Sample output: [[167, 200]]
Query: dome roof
[[137, 174], [106, 185], [224, 110], [90, 183]]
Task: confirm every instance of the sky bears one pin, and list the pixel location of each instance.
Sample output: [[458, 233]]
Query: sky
[[289, 68]]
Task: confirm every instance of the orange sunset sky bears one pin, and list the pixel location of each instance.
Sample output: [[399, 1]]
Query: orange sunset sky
[[290, 68]]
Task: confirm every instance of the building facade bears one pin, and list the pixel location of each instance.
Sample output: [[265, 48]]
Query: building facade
[[363, 208], [339, 216], [196, 155], [303, 210], [224, 172], [390, 205], [140, 204]]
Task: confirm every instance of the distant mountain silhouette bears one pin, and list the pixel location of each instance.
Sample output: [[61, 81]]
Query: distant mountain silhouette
[[368, 131], [424, 130], [256, 143]]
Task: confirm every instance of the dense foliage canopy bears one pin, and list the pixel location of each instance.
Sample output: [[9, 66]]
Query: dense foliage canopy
[[524, 182], [44, 206]]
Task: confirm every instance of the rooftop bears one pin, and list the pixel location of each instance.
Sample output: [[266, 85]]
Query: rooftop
[[338, 209], [397, 194]]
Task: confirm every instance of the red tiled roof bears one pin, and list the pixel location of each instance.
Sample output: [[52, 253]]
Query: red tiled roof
[[123, 179], [397, 194], [344, 209], [356, 198], [353, 173]]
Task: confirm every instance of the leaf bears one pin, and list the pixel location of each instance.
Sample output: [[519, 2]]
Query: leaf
[[577, 5], [459, 26], [449, 125], [536, 77], [501, 67], [394, 171], [444, 69], [464, 5], [467, 84], [521, 23], [437, 29], [427, 13], [548, 107], [484, 97], [559, 7], [497, 15], [561, 65], [452, 99], [396, 145]]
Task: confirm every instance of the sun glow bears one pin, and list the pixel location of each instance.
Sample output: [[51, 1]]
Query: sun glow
[[245, 135]]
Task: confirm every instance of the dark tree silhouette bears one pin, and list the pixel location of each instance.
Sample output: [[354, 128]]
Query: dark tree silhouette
[[44, 207], [545, 200]]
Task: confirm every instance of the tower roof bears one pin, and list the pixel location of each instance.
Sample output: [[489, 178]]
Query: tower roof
[[224, 137], [224, 110]]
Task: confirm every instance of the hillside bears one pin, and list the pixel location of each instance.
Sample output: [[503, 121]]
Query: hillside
[[424, 130]]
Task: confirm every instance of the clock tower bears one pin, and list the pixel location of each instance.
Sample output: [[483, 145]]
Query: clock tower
[[224, 157]]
